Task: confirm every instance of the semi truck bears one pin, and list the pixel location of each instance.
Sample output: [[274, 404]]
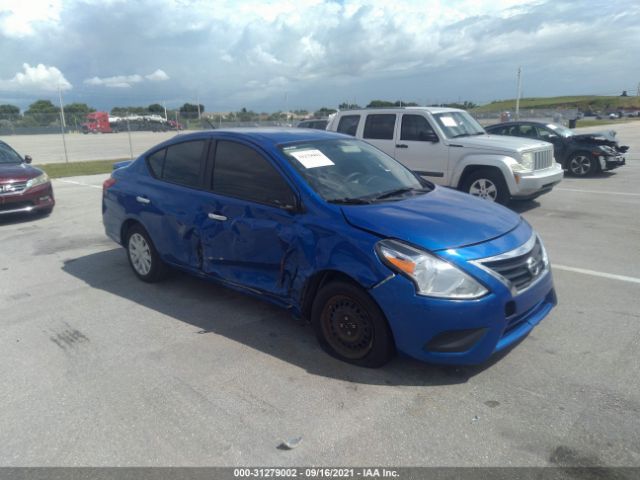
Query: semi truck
[[102, 122]]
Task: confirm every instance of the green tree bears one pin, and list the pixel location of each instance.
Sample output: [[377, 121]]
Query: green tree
[[348, 106], [156, 109], [189, 110], [75, 113], [42, 113], [324, 112], [380, 104], [9, 112]]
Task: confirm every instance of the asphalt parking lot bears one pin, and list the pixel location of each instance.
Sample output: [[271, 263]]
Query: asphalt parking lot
[[99, 368]]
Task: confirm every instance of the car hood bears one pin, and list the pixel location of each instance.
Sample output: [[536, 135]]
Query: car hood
[[500, 143], [437, 220], [11, 172]]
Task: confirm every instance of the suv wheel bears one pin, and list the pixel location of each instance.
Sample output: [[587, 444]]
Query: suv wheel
[[581, 164], [143, 256], [350, 326], [488, 185]]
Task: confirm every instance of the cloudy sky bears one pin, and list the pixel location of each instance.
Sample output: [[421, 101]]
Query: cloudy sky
[[271, 55]]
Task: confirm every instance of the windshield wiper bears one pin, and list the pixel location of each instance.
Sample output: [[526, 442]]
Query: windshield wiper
[[350, 201], [401, 191], [478, 133], [460, 135]]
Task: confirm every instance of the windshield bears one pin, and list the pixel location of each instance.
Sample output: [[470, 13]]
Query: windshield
[[8, 154], [458, 124], [560, 130], [351, 171]]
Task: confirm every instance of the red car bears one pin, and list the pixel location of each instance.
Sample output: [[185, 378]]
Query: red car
[[23, 188]]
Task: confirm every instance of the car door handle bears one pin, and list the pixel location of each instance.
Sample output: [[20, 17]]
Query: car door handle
[[143, 200], [215, 216], [402, 145]]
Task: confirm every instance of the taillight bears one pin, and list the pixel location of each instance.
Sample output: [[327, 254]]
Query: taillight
[[108, 183]]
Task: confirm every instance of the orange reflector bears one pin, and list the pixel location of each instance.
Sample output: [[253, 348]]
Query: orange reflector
[[404, 265]]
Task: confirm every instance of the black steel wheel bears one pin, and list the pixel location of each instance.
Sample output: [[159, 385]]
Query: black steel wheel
[[351, 326]]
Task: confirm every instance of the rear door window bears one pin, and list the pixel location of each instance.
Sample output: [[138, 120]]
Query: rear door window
[[183, 163], [349, 124], [241, 172], [379, 126], [155, 162]]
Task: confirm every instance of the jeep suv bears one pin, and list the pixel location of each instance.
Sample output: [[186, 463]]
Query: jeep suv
[[448, 147]]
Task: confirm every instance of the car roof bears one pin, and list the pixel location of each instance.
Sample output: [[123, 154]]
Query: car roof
[[431, 110], [272, 136], [518, 122]]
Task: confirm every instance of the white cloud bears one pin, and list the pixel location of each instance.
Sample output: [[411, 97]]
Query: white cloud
[[126, 81], [36, 79], [157, 76], [118, 81], [20, 18]]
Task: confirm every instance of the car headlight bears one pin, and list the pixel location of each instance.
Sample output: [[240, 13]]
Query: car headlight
[[432, 276], [39, 180], [527, 160]]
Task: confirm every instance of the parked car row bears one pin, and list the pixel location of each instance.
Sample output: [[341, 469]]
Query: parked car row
[[23, 188], [376, 257]]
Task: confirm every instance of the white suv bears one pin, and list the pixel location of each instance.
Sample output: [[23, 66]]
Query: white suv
[[449, 147]]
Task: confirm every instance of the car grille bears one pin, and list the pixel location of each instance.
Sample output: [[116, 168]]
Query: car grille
[[519, 268], [12, 188], [542, 159]]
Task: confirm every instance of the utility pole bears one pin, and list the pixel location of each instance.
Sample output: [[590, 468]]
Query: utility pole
[[518, 93], [62, 126], [164, 104], [198, 104]]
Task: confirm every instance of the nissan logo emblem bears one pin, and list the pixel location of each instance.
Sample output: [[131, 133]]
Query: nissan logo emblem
[[533, 266]]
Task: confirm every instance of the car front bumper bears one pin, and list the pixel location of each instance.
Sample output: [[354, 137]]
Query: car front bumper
[[531, 185], [32, 200], [463, 332], [609, 163]]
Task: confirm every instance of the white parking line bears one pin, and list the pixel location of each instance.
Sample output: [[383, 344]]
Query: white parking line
[[598, 191], [80, 183], [622, 278]]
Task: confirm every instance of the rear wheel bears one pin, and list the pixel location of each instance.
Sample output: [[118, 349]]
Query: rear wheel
[[350, 326], [143, 256], [582, 164], [488, 185]]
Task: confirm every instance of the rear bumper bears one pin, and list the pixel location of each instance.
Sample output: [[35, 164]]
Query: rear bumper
[[531, 185], [32, 200]]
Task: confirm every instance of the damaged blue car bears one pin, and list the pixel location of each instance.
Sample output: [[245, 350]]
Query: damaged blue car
[[378, 259]]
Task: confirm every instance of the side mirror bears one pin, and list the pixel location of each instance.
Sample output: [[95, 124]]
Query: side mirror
[[430, 137], [28, 159]]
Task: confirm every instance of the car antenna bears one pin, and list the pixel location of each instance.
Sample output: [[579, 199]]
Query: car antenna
[[206, 119]]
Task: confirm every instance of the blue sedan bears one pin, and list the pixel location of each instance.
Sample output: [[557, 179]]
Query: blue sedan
[[376, 258]]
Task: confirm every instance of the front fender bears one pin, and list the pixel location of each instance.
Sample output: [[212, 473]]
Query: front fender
[[501, 162]]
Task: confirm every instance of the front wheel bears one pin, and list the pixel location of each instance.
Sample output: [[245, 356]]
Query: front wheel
[[488, 185], [350, 326], [143, 256], [582, 164]]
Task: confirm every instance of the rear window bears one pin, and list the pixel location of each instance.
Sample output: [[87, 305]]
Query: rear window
[[379, 126], [183, 163], [349, 124]]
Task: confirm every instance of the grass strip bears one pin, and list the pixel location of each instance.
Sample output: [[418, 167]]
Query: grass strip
[[72, 169]]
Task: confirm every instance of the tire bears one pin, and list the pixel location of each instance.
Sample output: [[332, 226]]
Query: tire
[[582, 164], [366, 340], [143, 256], [488, 185]]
